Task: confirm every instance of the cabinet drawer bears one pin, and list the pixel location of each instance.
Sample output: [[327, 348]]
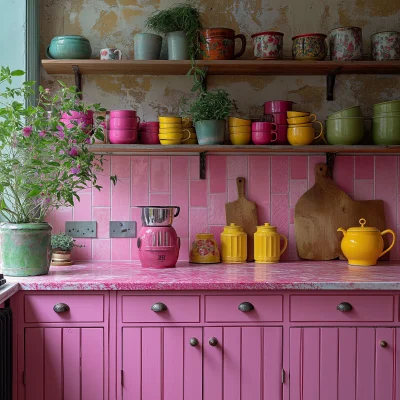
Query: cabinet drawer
[[226, 308], [150, 309], [353, 308], [82, 308]]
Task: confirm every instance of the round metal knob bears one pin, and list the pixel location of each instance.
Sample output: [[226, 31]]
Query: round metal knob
[[61, 307], [344, 307], [193, 341], [246, 306], [213, 341], [383, 343], [159, 307]]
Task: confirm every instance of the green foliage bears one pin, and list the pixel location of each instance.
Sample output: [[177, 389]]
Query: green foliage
[[63, 242], [43, 165], [212, 105]]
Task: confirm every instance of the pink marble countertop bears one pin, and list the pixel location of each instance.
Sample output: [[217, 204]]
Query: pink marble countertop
[[327, 275], [7, 290]]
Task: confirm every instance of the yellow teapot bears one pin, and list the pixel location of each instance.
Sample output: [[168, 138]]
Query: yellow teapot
[[364, 245]]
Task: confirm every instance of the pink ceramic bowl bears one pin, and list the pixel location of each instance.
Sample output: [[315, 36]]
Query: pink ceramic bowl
[[263, 126], [77, 115], [277, 106], [85, 124], [122, 114], [281, 132], [123, 136], [263, 137], [124, 123], [148, 138]]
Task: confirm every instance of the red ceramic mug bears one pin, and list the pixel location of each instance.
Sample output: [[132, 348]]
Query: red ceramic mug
[[281, 133], [123, 114], [279, 118], [219, 44], [124, 123], [263, 126], [123, 136], [263, 137], [277, 106]]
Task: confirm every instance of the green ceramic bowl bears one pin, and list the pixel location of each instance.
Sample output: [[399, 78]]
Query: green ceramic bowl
[[347, 112], [344, 131], [386, 130], [388, 114], [386, 107]]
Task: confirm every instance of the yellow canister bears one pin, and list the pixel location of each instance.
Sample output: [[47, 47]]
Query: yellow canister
[[233, 244], [267, 244]]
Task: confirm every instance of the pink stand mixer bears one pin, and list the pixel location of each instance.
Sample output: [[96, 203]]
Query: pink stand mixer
[[158, 242]]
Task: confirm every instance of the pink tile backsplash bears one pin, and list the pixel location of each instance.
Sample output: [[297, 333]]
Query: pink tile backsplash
[[274, 183]]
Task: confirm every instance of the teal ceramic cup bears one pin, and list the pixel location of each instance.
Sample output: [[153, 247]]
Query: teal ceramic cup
[[147, 46], [210, 131], [70, 47], [386, 130], [344, 131]]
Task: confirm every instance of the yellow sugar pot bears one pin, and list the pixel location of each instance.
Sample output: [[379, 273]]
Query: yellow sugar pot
[[233, 244], [267, 244], [364, 245]]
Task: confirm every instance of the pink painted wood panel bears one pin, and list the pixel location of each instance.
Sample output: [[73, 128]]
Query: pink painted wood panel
[[193, 365], [151, 364], [323, 308], [53, 384], [272, 363], [397, 363], [347, 363], [173, 377], [212, 364], [365, 364], [71, 345], [83, 308], [34, 363], [131, 363], [384, 371], [295, 363], [232, 360], [311, 358], [225, 308], [329, 354], [179, 308]]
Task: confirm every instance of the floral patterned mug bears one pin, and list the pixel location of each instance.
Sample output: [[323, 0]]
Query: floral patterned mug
[[268, 45], [385, 46], [110, 54], [345, 44]]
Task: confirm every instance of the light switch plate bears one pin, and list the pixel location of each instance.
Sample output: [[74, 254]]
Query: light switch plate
[[81, 229], [122, 229]]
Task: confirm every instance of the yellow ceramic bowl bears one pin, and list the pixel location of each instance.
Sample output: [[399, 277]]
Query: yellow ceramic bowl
[[240, 138], [170, 120], [302, 120], [239, 122], [171, 136], [240, 130], [167, 131], [301, 136], [295, 114], [309, 125], [169, 142]]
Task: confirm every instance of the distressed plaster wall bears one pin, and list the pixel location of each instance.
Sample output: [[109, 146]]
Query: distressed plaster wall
[[115, 22]]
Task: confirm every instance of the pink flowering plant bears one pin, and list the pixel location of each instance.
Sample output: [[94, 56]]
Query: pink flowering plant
[[43, 163]]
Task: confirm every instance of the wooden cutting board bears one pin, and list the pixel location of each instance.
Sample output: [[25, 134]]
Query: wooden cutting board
[[244, 213], [322, 210]]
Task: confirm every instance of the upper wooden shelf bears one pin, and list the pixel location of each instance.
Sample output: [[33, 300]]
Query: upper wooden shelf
[[231, 67]]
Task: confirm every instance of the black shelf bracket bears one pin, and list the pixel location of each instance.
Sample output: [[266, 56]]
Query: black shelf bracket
[[203, 160], [204, 79], [330, 163], [78, 79], [330, 83]]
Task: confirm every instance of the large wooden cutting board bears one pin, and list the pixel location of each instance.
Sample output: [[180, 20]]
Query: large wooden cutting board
[[244, 213], [322, 210]]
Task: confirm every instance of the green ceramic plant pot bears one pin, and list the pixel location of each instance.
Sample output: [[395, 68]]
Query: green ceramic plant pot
[[347, 112], [210, 132], [386, 130], [344, 131], [25, 249], [69, 47], [387, 106]]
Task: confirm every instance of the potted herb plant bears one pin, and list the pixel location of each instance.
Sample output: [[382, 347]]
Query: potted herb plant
[[61, 246], [43, 166], [209, 112]]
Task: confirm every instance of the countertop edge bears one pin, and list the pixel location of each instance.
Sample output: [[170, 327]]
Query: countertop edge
[[7, 290]]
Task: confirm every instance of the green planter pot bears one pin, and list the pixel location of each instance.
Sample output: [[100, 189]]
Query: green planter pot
[[178, 46], [210, 132], [25, 249]]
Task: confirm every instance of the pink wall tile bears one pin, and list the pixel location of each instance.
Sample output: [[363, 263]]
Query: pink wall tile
[[280, 213], [184, 250], [233, 190], [159, 174], [83, 208], [298, 167], [102, 216], [161, 199], [297, 189], [343, 173], [216, 214], [198, 193], [101, 249], [103, 198], [217, 173], [198, 222], [237, 166], [279, 174], [194, 167], [216, 230], [140, 181], [121, 201], [364, 167], [291, 250], [59, 217], [312, 162], [82, 253], [134, 250], [121, 166], [120, 249], [363, 189], [180, 193]]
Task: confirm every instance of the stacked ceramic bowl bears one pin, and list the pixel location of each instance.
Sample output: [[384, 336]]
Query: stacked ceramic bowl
[[263, 133], [123, 127], [189, 133], [275, 111], [172, 130], [239, 130], [386, 123], [73, 118], [345, 127], [148, 132], [300, 128]]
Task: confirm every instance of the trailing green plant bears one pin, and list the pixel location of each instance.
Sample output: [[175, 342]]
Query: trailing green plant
[[63, 242], [212, 105], [43, 164]]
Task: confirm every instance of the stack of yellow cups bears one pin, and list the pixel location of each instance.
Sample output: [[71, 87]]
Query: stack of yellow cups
[[239, 130], [188, 129], [171, 131]]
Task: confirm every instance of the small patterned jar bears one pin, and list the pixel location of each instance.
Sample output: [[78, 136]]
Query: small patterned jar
[[205, 250], [345, 44], [310, 46], [268, 45], [385, 46]]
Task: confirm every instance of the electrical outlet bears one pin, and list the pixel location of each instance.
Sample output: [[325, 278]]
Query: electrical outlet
[[81, 229], [122, 229]]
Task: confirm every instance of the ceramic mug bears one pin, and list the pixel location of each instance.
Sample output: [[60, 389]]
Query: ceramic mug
[[233, 121], [240, 129], [279, 118], [110, 53], [302, 120], [123, 136], [264, 137], [281, 133], [268, 45], [219, 44], [124, 123], [385, 46], [123, 114], [345, 44], [295, 114], [303, 136], [147, 46], [263, 126], [167, 120], [310, 46]]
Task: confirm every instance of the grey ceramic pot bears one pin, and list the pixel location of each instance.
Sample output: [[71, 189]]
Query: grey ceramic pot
[[178, 47], [147, 46], [210, 131]]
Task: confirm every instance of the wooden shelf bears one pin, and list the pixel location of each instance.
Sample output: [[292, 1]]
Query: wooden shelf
[[231, 67]]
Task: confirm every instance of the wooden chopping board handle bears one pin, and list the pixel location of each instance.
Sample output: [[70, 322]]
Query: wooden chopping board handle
[[321, 172], [240, 186]]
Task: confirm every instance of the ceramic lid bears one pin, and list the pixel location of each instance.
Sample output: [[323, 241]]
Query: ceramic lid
[[205, 236], [362, 228], [233, 228], [266, 228]]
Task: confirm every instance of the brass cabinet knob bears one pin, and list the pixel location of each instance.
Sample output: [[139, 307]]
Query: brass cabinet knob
[[61, 308], [213, 341], [193, 341], [159, 307], [246, 307], [344, 307], [383, 343]]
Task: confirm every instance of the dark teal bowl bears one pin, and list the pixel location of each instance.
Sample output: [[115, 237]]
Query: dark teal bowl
[[69, 47]]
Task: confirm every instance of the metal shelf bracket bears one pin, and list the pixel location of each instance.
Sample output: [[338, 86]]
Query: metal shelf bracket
[[203, 160], [78, 79], [204, 79], [330, 83], [330, 163]]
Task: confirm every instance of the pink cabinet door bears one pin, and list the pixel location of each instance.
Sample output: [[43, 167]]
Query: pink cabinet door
[[342, 363], [64, 364], [162, 363], [242, 363]]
